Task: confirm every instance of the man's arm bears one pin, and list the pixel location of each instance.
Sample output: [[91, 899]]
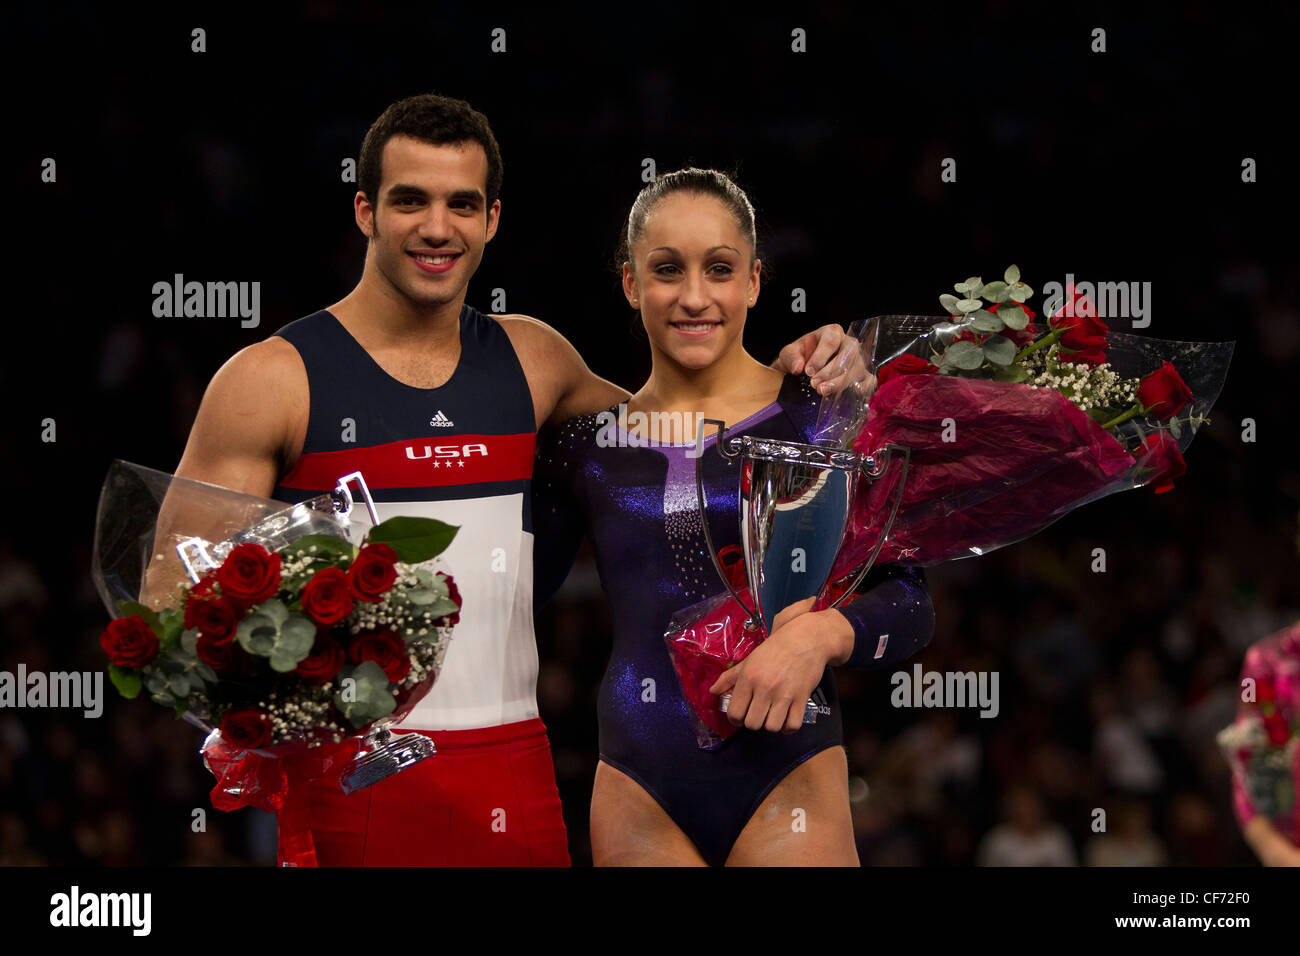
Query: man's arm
[[252, 420], [562, 384], [830, 359], [253, 415]]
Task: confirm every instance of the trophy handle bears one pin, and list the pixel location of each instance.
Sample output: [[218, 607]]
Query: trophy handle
[[346, 492], [875, 467], [751, 621]]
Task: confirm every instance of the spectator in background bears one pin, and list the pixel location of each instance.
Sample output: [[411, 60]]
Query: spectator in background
[[1027, 838]]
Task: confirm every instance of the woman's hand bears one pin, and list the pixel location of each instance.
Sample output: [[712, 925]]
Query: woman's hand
[[770, 687]]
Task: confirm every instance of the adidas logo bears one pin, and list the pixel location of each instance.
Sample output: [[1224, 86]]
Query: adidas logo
[[441, 421]]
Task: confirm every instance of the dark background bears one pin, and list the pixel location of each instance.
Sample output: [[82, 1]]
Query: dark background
[[1115, 166]]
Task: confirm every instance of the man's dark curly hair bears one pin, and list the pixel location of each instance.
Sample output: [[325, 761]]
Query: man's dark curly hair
[[436, 120]]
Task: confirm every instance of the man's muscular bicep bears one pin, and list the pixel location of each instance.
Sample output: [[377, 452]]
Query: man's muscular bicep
[[252, 419], [561, 383]]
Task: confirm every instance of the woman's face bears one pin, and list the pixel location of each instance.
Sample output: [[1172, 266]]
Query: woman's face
[[692, 277]]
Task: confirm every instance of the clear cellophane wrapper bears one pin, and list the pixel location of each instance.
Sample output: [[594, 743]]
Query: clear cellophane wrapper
[[993, 462], [143, 516]]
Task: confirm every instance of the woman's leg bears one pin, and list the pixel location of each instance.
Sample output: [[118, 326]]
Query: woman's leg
[[628, 828], [804, 821]]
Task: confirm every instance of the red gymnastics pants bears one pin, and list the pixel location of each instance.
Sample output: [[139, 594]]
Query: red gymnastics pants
[[486, 798]]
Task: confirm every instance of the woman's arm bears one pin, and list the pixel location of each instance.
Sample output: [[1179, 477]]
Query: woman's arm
[[1272, 848], [890, 620]]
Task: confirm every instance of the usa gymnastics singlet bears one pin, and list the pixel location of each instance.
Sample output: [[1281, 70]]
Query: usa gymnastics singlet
[[461, 453]]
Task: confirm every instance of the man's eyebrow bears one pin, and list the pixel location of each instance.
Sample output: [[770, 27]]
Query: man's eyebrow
[[404, 190]]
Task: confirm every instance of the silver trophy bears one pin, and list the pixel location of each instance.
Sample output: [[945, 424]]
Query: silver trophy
[[796, 499]]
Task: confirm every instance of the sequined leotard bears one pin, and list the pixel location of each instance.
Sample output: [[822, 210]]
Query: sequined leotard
[[639, 506]]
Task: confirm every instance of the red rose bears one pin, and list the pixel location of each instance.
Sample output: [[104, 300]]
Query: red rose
[[1082, 332], [1159, 451], [214, 652], [206, 586], [905, 365], [246, 727], [215, 617], [250, 574], [1279, 732], [326, 597], [1264, 690], [372, 573], [323, 662], [1021, 337], [385, 648], [1163, 393], [129, 642], [453, 592]]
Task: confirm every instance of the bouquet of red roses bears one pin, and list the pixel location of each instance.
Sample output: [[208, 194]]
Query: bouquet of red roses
[[280, 631], [1010, 426], [1262, 745]]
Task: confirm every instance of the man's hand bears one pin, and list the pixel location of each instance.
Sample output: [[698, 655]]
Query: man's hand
[[831, 359], [770, 687]]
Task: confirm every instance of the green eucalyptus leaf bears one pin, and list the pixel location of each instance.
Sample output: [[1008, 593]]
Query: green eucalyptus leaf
[[372, 698], [995, 291], [966, 355], [413, 539], [296, 638], [985, 321], [1012, 275], [441, 608], [1014, 316], [155, 683], [1175, 428], [281, 662], [1019, 292], [205, 672], [189, 642], [968, 305], [179, 685], [949, 303], [126, 680], [999, 350]]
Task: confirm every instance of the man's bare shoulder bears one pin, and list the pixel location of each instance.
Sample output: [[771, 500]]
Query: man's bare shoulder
[[271, 363], [534, 335]]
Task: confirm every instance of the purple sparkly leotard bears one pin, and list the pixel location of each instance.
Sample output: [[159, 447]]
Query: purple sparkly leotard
[[639, 506]]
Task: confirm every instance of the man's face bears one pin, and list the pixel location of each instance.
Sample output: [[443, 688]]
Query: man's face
[[431, 219]]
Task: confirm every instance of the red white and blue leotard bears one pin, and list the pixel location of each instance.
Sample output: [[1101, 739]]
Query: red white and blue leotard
[[461, 453]]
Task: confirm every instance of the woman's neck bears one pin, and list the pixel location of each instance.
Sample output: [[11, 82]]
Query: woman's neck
[[733, 378]]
